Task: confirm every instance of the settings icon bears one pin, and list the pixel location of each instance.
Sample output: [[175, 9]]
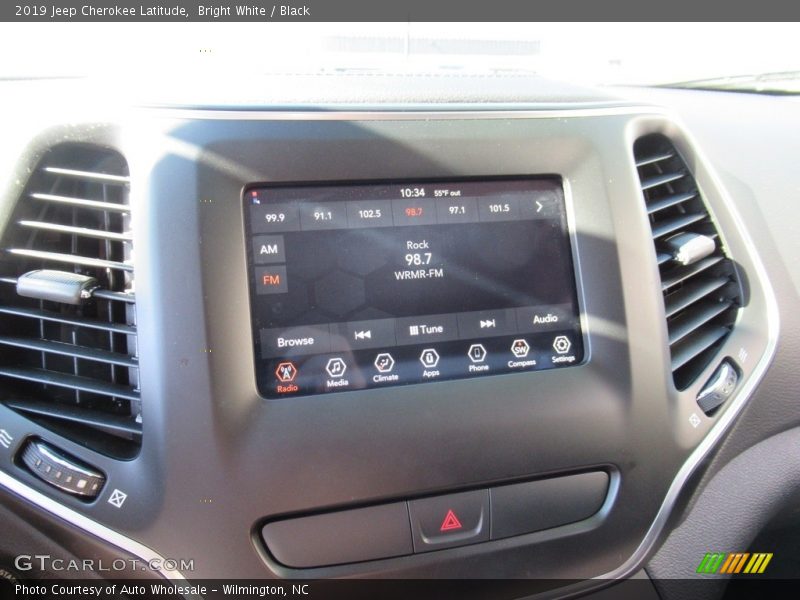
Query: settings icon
[[562, 344]]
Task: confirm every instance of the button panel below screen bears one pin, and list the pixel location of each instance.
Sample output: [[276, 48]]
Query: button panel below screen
[[437, 522]]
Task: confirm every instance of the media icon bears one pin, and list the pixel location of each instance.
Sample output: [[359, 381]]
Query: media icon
[[562, 344], [363, 335], [429, 358], [488, 323], [477, 353], [336, 367], [520, 348], [384, 362]]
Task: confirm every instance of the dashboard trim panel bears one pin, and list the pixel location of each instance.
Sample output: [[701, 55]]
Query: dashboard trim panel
[[405, 113], [736, 404], [89, 525]]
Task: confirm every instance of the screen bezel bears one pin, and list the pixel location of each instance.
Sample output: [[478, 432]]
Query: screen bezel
[[573, 260]]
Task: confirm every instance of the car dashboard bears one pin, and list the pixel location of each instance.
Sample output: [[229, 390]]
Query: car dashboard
[[491, 329]]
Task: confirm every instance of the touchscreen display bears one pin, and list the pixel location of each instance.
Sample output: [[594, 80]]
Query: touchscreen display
[[384, 284]]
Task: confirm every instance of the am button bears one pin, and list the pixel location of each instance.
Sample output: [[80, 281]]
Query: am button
[[268, 249]]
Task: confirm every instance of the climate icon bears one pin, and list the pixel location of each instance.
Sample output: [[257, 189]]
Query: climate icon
[[384, 362]]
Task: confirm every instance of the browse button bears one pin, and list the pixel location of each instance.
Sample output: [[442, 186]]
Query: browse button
[[295, 341]]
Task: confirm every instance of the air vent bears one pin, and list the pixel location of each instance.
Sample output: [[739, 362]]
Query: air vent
[[70, 363], [699, 282]]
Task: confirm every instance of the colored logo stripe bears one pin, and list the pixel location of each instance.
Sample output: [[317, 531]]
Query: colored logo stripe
[[758, 563], [711, 562], [734, 562]]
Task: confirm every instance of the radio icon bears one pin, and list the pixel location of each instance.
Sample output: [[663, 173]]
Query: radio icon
[[286, 372]]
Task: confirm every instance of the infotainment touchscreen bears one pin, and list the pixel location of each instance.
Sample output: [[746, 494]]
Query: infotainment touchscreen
[[370, 285]]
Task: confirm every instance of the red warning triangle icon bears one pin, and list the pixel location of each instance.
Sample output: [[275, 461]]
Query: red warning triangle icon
[[450, 522]]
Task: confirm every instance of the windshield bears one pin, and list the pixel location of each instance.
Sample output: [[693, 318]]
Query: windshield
[[587, 53]]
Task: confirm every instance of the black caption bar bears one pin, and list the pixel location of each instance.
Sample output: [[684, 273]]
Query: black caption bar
[[387, 589], [401, 11]]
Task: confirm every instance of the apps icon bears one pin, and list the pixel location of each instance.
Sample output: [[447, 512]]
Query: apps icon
[[429, 358]]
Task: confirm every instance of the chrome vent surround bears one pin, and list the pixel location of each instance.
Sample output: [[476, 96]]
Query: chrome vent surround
[[701, 299], [73, 368]]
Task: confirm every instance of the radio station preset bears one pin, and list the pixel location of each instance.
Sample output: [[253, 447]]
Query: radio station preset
[[373, 285], [448, 207]]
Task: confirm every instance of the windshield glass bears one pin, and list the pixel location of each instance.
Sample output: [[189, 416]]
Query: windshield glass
[[588, 53]]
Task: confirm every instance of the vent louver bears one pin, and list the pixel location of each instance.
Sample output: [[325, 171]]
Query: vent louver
[[701, 295], [73, 367]]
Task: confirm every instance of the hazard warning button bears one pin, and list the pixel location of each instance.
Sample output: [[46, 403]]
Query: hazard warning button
[[449, 521]]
